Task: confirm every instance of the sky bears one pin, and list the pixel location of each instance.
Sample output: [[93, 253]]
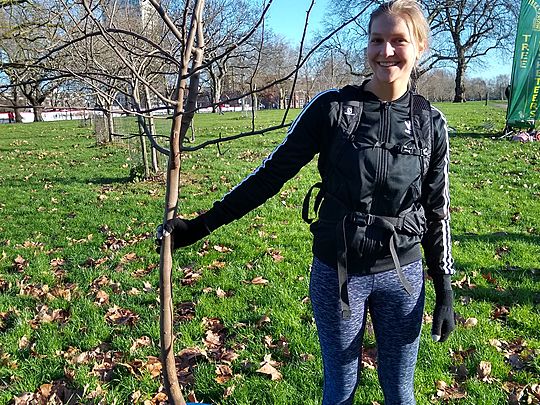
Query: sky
[[287, 17]]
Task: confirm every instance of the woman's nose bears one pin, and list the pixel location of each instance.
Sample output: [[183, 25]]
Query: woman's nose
[[388, 49]]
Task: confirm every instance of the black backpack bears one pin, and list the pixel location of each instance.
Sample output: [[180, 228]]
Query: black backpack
[[352, 229], [350, 113]]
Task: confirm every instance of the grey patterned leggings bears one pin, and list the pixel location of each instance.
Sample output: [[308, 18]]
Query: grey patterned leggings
[[397, 321]]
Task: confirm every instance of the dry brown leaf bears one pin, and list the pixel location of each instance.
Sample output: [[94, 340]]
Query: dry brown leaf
[[153, 366], [500, 312], [129, 257], [121, 316], [57, 262], [222, 249], [185, 311], [148, 287], [143, 341], [447, 392], [484, 371], [228, 391], [263, 321], [470, 322], [136, 396], [227, 356], [369, 358], [269, 370], [223, 373], [259, 281], [24, 342], [212, 339], [216, 265], [19, 264], [307, 357], [101, 298], [464, 283], [275, 254], [190, 277]]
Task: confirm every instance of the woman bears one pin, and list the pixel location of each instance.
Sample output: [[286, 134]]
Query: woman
[[383, 159]]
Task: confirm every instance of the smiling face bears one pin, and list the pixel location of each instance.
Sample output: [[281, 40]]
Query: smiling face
[[392, 53]]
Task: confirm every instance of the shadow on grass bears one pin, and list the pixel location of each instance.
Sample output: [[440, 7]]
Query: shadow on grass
[[503, 274], [66, 181], [497, 136], [498, 238]]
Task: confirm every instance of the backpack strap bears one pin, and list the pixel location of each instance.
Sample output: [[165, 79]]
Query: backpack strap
[[422, 128], [350, 113]]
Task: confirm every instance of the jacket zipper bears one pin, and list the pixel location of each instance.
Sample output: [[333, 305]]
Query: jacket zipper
[[382, 161], [382, 155]]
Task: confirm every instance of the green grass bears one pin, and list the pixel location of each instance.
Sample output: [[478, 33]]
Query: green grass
[[64, 197]]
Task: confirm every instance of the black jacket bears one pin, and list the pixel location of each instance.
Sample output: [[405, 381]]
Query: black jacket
[[366, 179]]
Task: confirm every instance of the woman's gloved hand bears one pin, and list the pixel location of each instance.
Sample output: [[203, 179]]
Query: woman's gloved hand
[[184, 232], [443, 315]]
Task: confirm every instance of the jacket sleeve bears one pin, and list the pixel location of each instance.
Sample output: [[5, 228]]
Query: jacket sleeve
[[301, 144], [437, 242]]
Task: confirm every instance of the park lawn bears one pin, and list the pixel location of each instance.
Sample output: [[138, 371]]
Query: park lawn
[[78, 277]]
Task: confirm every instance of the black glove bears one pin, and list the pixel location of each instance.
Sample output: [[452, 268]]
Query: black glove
[[443, 315], [184, 232]]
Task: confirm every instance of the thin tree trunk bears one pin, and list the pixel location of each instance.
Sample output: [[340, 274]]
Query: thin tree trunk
[[152, 127], [178, 130], [155, 162], [110, 122], [144, 152], [142, 136]]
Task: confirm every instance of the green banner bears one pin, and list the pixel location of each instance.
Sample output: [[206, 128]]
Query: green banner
[[523, 105]]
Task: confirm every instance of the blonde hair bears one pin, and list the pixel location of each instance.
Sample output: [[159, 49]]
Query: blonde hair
[[412, 13]]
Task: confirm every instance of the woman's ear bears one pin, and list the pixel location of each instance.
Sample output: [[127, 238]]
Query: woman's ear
[[420, 50]]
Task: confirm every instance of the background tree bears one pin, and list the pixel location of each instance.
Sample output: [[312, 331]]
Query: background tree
[[29, 30]]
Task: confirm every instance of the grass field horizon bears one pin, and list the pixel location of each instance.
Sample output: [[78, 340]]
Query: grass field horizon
[[79, 310]]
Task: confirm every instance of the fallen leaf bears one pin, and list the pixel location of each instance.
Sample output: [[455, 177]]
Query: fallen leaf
[[307, 357], [185, 311], [259, 281], [264, 320], [101, 298], [23, 343], [500, 312], [228, 391], [470, 322], [224, 373], [121, 316], [143, 341], [484, 371], [19, 264], [57, 262], [129, 257], [222, 249], [275, 254], [447, 392], [369, 358], [148, 287], [269, 370]]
